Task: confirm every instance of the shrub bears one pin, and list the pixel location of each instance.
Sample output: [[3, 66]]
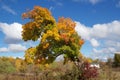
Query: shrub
[[87, 72]]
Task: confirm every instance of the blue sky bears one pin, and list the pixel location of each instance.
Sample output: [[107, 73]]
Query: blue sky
[[97, 22]]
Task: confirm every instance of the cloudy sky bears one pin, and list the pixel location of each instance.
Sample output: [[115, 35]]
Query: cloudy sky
[[97, 22]]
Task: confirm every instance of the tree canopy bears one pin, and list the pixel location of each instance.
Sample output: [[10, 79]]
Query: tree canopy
[[56, 38]]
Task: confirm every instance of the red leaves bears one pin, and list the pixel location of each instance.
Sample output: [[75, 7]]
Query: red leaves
[[88, 72]]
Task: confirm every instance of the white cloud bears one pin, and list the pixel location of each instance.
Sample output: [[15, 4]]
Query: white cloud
[[107, 31], [112, 43], [13, 48], [99, 31], [94, 43], [107, 50], [89, 1], [83, 30], [8, 9], [4, 50], [16, 48], [12, 32], [104, 38], [97, 51], [102, 54]]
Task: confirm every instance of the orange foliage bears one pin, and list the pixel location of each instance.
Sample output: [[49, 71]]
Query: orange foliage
[[81, 42], [46, 45], [66, 28]]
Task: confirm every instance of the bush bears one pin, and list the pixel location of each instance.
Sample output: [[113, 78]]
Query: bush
[[87, 72]]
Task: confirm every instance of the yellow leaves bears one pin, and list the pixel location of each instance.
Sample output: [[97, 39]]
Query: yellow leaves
[[89, 60], [29, 55], [51, 33], [57, 38], [72, 31], [46, 65], [56, 34], [55, 30], [80, 56], [44, 37], [46, 45], [18, 64]]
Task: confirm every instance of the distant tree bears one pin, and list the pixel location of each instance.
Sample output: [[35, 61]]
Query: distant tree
[[117, 59], [56, 38], [109, 62]]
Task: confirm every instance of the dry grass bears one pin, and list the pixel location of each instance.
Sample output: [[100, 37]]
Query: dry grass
[[108, 73], [105, 73]]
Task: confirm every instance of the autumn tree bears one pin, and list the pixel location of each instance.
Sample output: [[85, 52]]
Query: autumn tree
[[56, 38]]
